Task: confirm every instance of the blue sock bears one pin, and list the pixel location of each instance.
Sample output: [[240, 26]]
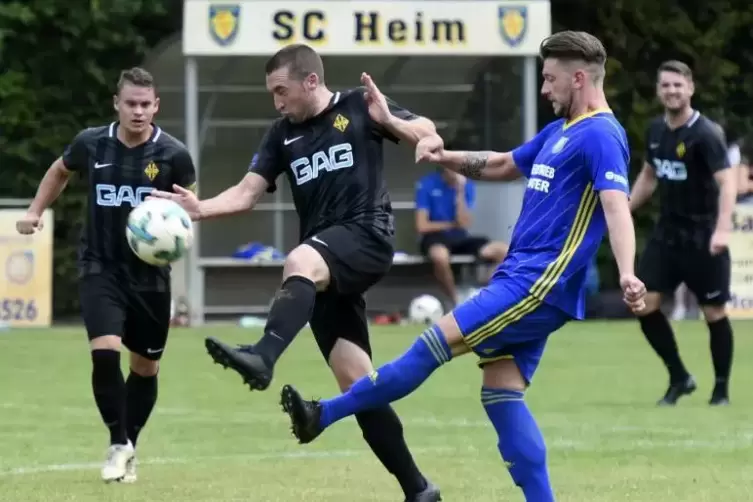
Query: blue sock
[[520, 442], [392, 381]]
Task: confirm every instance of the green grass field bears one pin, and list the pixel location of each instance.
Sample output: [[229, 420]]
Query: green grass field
[[211, 439]]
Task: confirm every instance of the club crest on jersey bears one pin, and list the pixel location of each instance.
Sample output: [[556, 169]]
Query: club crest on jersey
[[559, 145], [151, 171], [513, 24], [224, 21], [341, 123], [680, 150]]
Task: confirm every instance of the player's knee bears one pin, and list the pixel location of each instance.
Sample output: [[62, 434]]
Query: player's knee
[[653, 303], [307, 262], [349, 363], [439, 255], [142, 366], [494, 251], [713, 313], [504, 374], [106, 342]]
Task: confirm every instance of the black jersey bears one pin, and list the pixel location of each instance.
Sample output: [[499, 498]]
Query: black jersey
[[685, 160], [334, 164], [119, 178]]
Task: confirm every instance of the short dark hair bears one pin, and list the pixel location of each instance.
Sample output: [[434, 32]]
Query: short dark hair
[[675, 66], [300, 59], [573, 46], [136, 76]]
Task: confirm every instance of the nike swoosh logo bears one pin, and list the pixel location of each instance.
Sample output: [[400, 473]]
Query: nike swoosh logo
[[288, 141], [317, 239], [154, 351], [97, 165]]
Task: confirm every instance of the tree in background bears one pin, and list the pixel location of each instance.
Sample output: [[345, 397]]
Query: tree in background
[[60, 62]]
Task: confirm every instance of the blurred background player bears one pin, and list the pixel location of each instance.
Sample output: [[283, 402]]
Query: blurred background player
[[577, 170], [329, 145], [123, 300], [444, 205], [686, 159]]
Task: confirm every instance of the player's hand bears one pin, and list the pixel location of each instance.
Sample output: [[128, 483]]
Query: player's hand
[[29, 224], [379, 111], [633, 292], [719, 241], [430, 149], [186, 198]]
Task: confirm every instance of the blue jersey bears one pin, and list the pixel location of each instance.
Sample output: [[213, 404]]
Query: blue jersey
[[561, 223], [437, 198]]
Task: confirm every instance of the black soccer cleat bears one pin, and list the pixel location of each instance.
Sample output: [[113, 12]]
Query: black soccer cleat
[[304, 415], [244, 360], [676, 390], [719, 396], [430, 494]]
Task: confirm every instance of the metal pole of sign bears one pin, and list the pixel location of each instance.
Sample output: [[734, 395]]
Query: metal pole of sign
[[195, 273], [530, 93]]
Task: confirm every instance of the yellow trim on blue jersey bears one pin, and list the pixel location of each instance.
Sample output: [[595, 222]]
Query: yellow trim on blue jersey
[[585, 116], [548, 279], [483, 361], [191, 187]]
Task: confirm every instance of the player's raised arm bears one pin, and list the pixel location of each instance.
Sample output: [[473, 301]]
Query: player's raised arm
[[53, 183], [397, 122], [644, 186], [486, 166]]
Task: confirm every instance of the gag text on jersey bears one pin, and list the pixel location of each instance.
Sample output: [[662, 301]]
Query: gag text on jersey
[[336, 157], [116, 196]]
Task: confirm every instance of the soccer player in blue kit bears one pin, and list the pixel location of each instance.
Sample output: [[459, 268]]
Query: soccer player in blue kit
[[577, 170]]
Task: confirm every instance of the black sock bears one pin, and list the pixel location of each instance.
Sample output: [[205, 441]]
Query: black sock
[[721, 349], [110, 393], [659, 334], [383, 432], [142, 394], [290, 311]]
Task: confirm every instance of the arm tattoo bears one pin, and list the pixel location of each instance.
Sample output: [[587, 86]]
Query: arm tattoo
[[473, 165]]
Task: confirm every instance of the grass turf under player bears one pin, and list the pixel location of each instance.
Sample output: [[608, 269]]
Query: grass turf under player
[[577, 170]]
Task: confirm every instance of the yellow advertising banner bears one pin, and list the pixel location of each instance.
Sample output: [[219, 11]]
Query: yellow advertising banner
[[26, 286], [741, 251]]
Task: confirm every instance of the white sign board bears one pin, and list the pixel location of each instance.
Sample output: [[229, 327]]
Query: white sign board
[[463, 28]]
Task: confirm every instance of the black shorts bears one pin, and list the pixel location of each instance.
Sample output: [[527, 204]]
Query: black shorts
[[663, 268], [357, 258], [111, 307], [455, 244]]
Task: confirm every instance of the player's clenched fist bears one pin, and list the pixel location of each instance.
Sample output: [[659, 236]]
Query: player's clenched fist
[[29, 224], [634, 292], [430, 149]]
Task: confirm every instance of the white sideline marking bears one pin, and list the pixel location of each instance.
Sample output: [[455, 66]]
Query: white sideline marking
[[253, 457]]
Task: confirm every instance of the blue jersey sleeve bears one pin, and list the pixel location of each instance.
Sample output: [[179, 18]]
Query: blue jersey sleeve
[[526, 153], [422, 195], [470, 194], [607, 157]]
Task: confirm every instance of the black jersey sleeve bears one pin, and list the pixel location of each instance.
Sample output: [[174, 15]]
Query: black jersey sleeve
[[651, 143], [396, 110], [713, 149], [267, 161], [184, 172], [76, 154]]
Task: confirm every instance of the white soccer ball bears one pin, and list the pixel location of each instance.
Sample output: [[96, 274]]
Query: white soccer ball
[[425, 309], [159, 231]]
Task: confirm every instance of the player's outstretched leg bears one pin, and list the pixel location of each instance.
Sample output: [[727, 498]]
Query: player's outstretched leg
[[721, 344], [520, 441], [110, 395], [290, 311], [389, 383], [659, 334]]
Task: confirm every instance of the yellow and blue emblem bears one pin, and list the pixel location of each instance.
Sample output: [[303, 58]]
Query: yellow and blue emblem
[[224, 21], [513, 24]]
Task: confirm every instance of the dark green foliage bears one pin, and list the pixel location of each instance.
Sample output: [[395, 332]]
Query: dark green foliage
[[60, 61], [713, 37]]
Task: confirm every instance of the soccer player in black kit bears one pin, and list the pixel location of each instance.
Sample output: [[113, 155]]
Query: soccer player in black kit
[[686, 158], [123, 299], [329, 145]]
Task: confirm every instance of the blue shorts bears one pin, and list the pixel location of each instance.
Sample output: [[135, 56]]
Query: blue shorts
[[504, 321]]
